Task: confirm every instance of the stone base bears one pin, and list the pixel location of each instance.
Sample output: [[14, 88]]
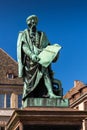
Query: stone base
[[46, 102], [46, 118]]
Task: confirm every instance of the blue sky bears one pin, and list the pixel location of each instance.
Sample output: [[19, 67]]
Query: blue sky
[[63, 21]]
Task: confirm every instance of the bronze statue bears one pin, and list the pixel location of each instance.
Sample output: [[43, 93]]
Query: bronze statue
[[38, 79]]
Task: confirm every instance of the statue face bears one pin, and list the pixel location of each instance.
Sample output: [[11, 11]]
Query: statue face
[[32, 24]]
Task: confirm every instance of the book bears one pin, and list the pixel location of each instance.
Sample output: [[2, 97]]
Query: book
[[48, 54]]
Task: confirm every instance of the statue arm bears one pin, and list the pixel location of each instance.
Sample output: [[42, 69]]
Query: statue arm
[[29, 53], [26, 50]]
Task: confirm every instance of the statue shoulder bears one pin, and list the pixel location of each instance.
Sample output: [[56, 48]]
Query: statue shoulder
[[20, 35], [23, 35], [25, 32], [44, 40]]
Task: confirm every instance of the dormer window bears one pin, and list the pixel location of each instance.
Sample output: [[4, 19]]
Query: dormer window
[[10, 75]]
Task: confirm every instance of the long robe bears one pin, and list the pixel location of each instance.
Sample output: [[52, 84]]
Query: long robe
[[30, 71]]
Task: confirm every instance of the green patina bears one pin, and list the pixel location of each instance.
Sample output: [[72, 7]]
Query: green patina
[[35, 55]]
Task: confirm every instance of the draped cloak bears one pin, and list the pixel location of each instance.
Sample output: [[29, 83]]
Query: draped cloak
[[30, 71]]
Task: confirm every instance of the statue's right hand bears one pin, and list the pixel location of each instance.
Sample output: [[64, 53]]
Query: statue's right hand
[[35, 58]]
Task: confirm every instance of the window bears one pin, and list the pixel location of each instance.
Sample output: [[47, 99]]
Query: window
[[10, 76], [80, 91], [20, 101], [2, 100], [73, 97], [8, 96]]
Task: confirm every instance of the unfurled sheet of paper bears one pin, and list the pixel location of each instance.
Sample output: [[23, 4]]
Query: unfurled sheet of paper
[[48, 54]]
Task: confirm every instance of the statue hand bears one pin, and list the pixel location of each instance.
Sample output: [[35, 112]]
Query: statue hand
[[35, 58]]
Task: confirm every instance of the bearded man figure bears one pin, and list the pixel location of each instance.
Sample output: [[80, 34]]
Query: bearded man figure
[[37, 78]]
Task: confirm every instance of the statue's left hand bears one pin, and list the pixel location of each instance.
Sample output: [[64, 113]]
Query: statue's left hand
[[35, 58]]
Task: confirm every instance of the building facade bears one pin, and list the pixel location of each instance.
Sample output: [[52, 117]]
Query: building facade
[[10, 88], [78, 98]]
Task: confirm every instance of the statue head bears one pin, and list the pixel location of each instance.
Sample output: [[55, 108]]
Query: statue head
[[32, 21]]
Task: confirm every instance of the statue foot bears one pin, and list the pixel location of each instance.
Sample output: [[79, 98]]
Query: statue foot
[[46, 96], [51, 95], [54, 96]]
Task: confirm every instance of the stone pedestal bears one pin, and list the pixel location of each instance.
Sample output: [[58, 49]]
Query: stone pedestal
[[46, 102], [46, 118]]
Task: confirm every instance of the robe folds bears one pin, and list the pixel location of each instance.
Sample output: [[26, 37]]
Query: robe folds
[[30, 71]]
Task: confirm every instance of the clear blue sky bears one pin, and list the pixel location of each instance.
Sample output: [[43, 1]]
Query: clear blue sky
[[63, 21]]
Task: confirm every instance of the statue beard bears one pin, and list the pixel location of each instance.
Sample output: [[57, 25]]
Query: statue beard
[[33, 28]]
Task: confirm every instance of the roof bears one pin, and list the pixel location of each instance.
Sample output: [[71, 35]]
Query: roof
[[8, 66], [78, 85]]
